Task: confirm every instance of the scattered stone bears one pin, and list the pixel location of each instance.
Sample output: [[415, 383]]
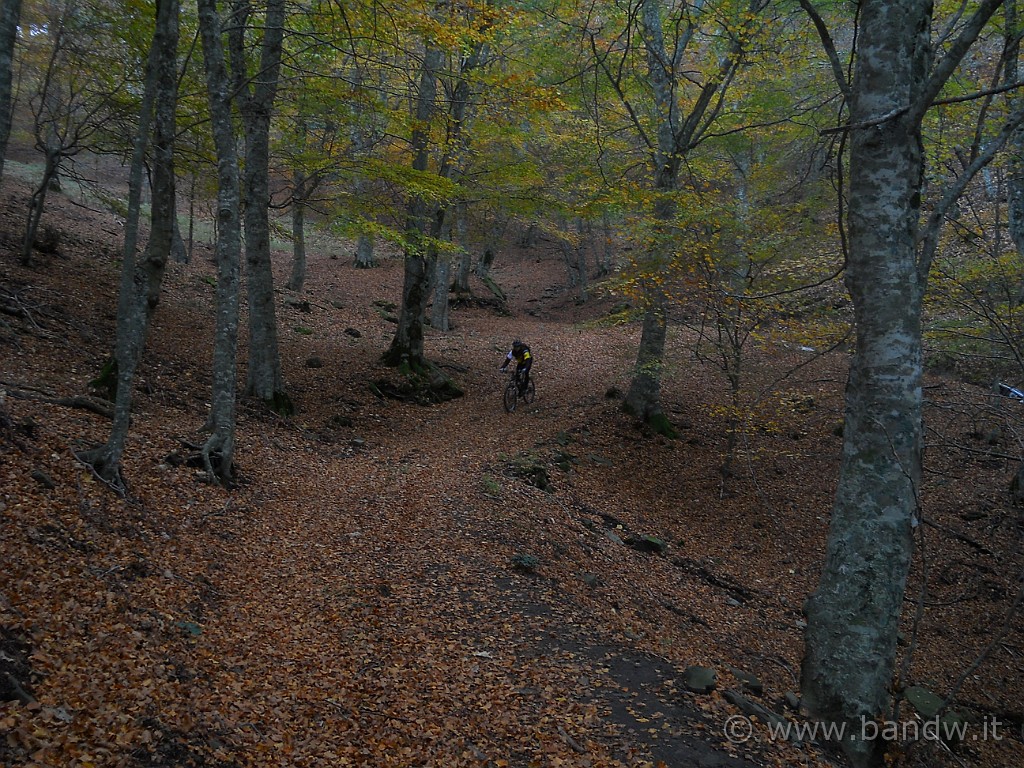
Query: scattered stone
[[592, 580], [314, 362], [43, 479], [649, 544], [753, 709], [353, 333], [923, 700], [792, 701], [747, 680], [700, 679], [525, 562]]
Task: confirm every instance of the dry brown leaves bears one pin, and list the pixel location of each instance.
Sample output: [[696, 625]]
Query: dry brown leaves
[[386, 587]]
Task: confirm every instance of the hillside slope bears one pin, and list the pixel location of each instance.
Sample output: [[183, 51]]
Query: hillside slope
[[397, 585]]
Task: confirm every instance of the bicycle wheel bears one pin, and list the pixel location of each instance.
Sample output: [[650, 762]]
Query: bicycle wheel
[[530, 393], [511, 396]]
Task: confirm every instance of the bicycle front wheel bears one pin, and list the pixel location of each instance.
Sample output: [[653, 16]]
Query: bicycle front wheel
[[511, 396]]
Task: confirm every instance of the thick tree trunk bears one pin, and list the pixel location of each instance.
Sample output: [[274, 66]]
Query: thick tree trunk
[[364, 258], [218, 451], [643, 400], [854, 615], [10, 13], [407, 345]]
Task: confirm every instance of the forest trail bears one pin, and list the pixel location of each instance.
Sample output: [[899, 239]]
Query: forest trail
[[398, 585]]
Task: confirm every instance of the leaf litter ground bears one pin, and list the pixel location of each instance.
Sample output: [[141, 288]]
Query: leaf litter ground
[[388, 585]]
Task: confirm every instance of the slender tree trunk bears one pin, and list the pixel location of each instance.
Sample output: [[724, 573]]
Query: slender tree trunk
[[37, 204], [141, 280], [439, 314], [10, 14], [464, 263], [1015, 182], [264, 378], [218, 451], [298, 276], [607, 252], [581, 260]]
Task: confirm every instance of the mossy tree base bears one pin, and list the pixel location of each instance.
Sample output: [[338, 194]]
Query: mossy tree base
[[422, 383], [656, 421]]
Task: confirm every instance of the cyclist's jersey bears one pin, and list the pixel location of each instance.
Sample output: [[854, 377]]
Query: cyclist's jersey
[[522, 358]]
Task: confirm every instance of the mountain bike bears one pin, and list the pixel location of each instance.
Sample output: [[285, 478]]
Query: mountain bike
[[514, 392]]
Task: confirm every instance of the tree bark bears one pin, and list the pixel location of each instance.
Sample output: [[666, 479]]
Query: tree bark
[[264, 379], [218, 450], [141, 280], [426, 221], [298, 275], [439, 314], [1015, 182], [854, 614], [10, 14], [407, 345], [364, 258]]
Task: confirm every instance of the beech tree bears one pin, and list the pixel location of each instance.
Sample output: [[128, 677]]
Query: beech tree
[[218, 450], [425, 219], [10, 13], [255, 89], [854, 614], [141, 279], [683, 99]]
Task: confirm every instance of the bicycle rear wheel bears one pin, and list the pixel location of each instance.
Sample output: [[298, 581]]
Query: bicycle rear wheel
[[530, 393], [511, 396]]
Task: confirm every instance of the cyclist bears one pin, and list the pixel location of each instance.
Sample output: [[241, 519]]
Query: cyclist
[[524, 360]]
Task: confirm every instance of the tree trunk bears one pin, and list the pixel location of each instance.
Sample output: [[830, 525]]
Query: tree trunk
[[407, 345], [264, 379], [643, 400], [36, 205], [141, 280], [218, 451], [464, 262], [854, 615], [364, 252], [10, 13], [1015, 182], [581, 260], [606, 261], [439, 314], [298, 276]]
